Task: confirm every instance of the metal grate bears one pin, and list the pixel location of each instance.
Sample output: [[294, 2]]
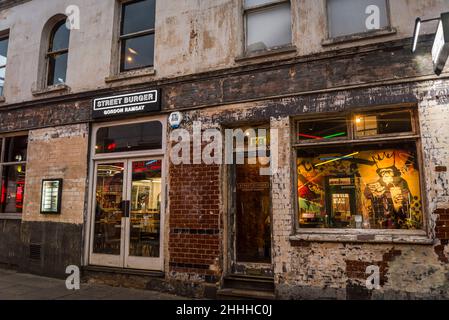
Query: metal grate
[[35, 252]]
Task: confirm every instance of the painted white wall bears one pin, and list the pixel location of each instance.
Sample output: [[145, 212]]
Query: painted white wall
[[192, 36]]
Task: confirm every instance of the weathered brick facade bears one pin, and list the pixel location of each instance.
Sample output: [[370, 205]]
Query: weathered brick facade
[[222, 92]]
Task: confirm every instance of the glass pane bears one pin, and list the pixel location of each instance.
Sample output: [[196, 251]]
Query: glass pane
[[57, 69], [50, 196], [371, 125], [138, 52], [13, 189], [108, 210], [16, 149], [2, 80], [61, 36], [131, 137], [253, 220], [138, 16], [373, 187], [348, 17], [269, 28], [322, 129], [253, 3], [146, 198], [3, 51]]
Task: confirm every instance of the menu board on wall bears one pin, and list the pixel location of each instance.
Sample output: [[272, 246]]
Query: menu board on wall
[[51, 196]]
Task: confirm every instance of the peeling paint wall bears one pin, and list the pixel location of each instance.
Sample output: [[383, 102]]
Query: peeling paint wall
[[337, 270], [192, 36]]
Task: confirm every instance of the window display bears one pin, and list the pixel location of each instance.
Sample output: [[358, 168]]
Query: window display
[[376, 185], [13, 171]]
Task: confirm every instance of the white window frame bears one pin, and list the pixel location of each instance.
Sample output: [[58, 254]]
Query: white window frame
[[266, 6], [387, 30], [116, 74]]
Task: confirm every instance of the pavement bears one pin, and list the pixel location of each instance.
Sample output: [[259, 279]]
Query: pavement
[[19, 286]]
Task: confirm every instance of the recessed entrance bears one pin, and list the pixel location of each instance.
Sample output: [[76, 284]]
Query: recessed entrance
[[251, 218]]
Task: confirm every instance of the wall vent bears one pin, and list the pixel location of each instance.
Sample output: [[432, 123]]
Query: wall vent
[[35, 252]]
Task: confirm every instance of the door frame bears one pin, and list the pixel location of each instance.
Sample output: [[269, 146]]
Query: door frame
[[234, 266], [145, 263], [94, 159]]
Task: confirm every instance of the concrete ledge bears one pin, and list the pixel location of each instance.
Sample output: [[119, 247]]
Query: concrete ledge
[[301, 240]]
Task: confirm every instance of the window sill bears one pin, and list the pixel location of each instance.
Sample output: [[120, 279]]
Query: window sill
[[359, 36], [52, 89], [147, 72], [266, 53], [2, 99], [361, 236], [10, 216]]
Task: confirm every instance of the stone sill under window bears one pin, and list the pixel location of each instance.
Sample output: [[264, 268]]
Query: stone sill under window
[[10, 216], [290, 49], [134, 74], [2, 99], [59, 88], [375, 237], [359, 36]]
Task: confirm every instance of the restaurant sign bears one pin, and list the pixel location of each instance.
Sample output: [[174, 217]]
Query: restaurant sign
[[126, 104]]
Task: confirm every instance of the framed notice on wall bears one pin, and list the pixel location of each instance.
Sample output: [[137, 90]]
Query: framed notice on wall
[[51, 196]]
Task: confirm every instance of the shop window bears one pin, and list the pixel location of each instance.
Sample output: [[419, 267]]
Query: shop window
[[131, 137], [322, 130], [360, 185], [348, 17], [268, 24], [137, 34], [384, 123], [13, 169], [57, 54], [3, 57]]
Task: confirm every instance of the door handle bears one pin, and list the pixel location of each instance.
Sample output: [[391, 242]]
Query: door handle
[[126, 204]]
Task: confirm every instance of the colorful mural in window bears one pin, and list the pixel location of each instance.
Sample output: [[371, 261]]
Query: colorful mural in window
[[374, 187]]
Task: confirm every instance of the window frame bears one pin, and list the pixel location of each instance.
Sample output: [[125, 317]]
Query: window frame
[[123, 37], [3, 137], [4, 36], [49, 54], [387, 30], [362, 235], [258, 8]]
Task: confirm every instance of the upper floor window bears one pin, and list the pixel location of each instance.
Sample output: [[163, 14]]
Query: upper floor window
[[3, 58], [137, 34], [268, 24], [57, 54], [348, 17]]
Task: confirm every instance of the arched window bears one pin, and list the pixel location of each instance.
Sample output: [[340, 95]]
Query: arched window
[[57, 54]]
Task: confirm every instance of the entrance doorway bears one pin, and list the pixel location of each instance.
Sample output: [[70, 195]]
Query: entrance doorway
[[127, 198], [127, 206], [252, 219]]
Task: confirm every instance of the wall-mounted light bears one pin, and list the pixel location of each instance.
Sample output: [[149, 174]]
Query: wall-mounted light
[[440, 48]]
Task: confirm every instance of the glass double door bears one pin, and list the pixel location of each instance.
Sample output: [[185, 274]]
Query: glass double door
[[127, 214]]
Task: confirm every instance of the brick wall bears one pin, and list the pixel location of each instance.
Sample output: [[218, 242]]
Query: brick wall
[[194, 220], [57, 153]]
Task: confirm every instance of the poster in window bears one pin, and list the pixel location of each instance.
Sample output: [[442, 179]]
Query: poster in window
[[380, 184], [51, 196]]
